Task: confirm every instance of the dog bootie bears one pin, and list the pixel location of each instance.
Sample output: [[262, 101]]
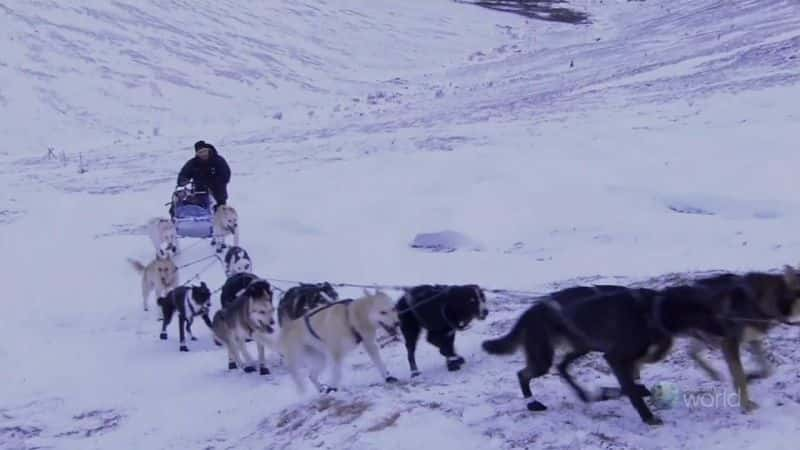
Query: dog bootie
[[263, 371], [163, 336], [536, 405], [184, 348], [231, 365], [249, 369], [454, 363]]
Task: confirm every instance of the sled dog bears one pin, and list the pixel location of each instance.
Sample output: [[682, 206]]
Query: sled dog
[[249, 316], [750, 305], [189, 302], [628, 326], [225, 222], [163, 234], [236, 261], [441, 310], [160, 275], [332, 331], [303, 298]]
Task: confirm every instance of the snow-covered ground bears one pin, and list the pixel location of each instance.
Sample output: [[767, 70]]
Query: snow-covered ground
[[659, 139]]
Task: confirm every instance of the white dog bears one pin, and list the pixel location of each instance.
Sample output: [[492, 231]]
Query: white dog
[[160, 275], [333, 330], [226, 222], [163, 235]]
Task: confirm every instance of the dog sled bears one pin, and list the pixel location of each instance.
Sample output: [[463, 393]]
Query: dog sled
[[191, 212]]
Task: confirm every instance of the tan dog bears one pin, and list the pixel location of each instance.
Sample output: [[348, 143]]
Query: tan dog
[[334, 330], [226, 222], [160, 275], [750, 305]]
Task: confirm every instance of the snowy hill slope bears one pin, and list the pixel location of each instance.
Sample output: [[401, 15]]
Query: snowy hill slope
[[90, 69], [667, 148]]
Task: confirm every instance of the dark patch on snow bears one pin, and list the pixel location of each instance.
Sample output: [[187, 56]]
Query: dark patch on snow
[[446, 241], [94, 422], [548, 10], [124, 229], [687, 209], [19, 432]]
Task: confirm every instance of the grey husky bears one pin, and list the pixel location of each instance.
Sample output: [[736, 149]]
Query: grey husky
[[249, 316]]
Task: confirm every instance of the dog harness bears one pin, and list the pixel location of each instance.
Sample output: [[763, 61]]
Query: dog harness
[[307, 316], [412, 306]]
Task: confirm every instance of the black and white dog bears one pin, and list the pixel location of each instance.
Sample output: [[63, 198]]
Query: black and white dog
[[298, 300], [236, 284], [236, 261], [189, 302], [441, 310]]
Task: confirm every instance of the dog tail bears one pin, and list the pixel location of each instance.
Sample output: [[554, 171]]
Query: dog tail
[[507, 344], [138, 266], [216, 323]]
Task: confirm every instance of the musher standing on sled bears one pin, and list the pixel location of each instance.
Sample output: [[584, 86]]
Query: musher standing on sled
[[208, 171]]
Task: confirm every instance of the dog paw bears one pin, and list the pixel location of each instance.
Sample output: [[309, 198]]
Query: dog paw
[[163, 336], [263, 371], [753, 376], [749, 406], [193, 338], [391, 379], [184, 348], [249, 369], [536, 405], [453, 365], [654, 421], [232, 366], [415, 373]]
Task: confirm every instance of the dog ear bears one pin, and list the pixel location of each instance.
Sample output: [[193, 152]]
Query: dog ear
[[251, 290]]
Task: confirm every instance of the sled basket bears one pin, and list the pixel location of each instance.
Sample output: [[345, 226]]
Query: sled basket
[[193, 221]]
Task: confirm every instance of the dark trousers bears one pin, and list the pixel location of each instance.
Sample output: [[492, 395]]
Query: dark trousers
[[220, 193]]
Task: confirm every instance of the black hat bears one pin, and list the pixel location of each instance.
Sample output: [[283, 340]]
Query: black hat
[[201, 145]]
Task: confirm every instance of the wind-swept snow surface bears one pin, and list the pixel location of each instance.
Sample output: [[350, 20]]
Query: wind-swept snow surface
[[651, 144]]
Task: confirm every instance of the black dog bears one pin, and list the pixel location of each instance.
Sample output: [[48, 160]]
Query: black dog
[[629, 326], [237, 283], [190, 302], [442, 310], [305, 297]]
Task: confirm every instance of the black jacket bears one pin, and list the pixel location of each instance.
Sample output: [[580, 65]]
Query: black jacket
[[213, 174]]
